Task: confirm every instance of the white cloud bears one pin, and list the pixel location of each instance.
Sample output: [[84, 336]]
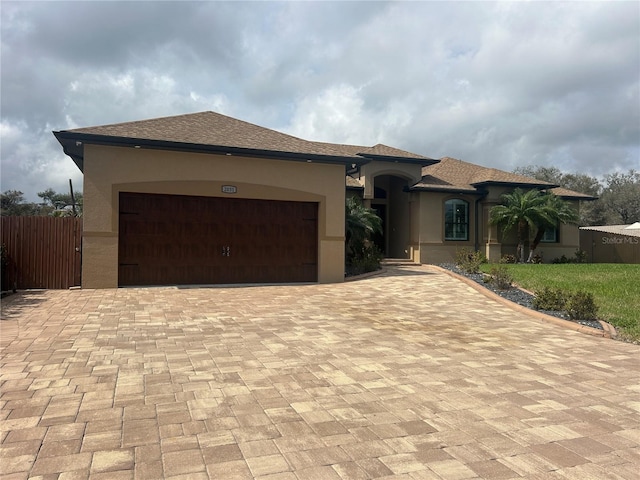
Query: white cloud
[[132, 95], [30, 156], [332, 115]]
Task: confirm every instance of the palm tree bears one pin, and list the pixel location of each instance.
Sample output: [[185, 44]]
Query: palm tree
[[360, 223], [523, 210], [558, 211]]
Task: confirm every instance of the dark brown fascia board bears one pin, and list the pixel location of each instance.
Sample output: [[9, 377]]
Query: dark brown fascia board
[[585, 198], [459, 191], [424, 162], [541, 186], [73, 145]]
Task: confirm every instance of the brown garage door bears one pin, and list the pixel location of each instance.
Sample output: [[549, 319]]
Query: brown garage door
[[186, 240]]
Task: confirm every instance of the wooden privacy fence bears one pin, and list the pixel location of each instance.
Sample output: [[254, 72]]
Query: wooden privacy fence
[[42, 252]]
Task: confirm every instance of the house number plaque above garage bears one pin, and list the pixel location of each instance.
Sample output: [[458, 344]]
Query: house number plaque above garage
[[229, 189]]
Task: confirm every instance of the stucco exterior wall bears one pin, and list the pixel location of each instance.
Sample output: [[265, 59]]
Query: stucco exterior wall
[[111, 170], [434, 248], [368, 173]]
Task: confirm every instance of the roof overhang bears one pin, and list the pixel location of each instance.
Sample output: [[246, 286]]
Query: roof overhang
[[423, 162], [73, 146], [458, 191], [540, 186], [576, 196]]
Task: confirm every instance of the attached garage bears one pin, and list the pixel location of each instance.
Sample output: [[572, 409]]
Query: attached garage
[[208, 199], [181, 240]]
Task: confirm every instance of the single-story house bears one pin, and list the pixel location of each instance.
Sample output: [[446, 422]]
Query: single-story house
[[204, 198]]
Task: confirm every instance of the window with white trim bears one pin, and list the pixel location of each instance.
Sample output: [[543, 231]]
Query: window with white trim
[[550, 235], [456, 220]]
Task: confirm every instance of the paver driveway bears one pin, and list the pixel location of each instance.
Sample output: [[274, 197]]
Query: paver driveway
[[411, 374]]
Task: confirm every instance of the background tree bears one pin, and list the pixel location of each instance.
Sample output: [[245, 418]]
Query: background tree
[[619, 193], [591, 212], [61, 204], [621, 197], [53, 204], [524, 211], [12, 202]]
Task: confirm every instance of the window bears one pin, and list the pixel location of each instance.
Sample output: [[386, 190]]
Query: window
[[550, 235], [456, 220]]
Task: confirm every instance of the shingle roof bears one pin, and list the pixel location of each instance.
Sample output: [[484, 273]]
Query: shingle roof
[[459, 175], [454, 175], [565, 193], [214, 132], [210, 130], [378, 151]]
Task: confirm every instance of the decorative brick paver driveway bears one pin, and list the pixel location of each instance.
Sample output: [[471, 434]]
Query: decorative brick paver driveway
[[410, 374]]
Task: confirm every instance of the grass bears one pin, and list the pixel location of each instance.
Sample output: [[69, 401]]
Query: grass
[[615, 287]]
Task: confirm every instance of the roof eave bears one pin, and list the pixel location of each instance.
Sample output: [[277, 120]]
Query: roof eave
[[585, 198], [73, 146], [459, 191], [515, 184], [423, 162]]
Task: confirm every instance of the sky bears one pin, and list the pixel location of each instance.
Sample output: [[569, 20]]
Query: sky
[[503, 85]]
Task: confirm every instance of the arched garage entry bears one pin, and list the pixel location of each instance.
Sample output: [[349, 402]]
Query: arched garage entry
[[187, 240]]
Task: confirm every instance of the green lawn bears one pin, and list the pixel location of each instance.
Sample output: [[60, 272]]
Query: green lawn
[[615, 287]]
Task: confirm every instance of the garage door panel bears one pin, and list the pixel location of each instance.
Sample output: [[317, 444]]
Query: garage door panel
[[171, 239]]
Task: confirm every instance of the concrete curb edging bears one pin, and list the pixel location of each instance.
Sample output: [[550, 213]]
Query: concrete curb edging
[[607, 332]]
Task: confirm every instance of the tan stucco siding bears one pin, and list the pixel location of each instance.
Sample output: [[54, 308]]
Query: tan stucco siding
[[111, 170], [433, 246], [370, 171], [568, 243], [435, 208]]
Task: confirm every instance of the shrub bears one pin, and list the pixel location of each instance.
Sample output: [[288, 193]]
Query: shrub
[[581, 256], [507, 258], [578, 306], [581, 306], [537, 259], [562, 259], [469, 260], [500, 277], [366, 259], [550, 299]]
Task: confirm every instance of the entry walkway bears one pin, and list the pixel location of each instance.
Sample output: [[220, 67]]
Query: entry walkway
[[411, 374]]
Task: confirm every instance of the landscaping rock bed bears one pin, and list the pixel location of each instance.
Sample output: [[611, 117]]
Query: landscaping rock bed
[[518, 296]]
